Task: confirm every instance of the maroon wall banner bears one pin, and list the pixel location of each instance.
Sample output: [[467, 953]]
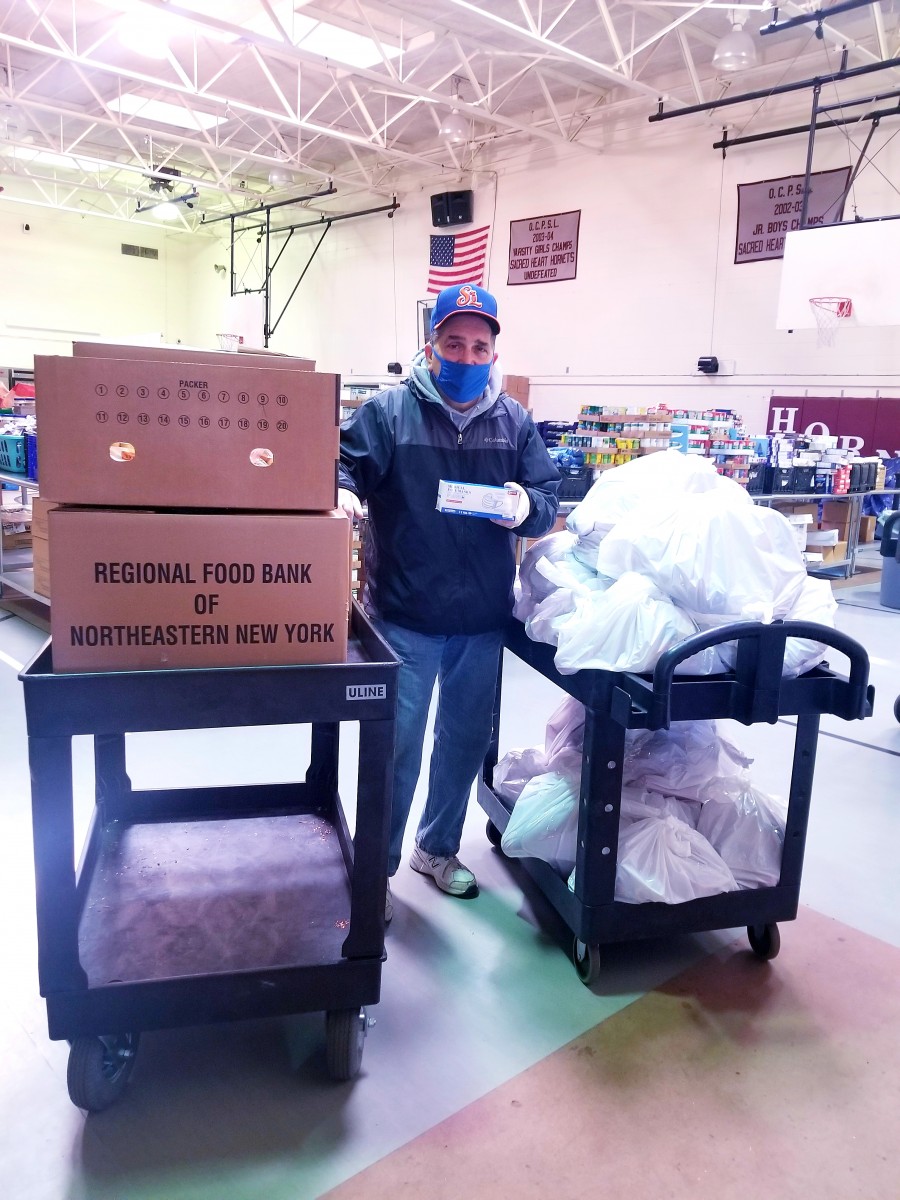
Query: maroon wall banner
[[770, 209], [866, 424], [544, 249]]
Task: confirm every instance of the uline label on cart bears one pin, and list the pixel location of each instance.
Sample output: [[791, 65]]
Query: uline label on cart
[[366, 691]]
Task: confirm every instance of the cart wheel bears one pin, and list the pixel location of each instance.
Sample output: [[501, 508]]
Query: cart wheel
[[765, 940], [494, 836], [897, 708], [345, 1033], [99, 1068], [587, 961]]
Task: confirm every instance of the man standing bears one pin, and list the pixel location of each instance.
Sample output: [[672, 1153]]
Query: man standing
[[439, 586]]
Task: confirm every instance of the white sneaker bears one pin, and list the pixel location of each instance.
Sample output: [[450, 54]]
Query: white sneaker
[[388, 905], [448, 873]]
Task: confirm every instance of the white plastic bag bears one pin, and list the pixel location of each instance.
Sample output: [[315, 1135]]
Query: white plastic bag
[[715, 558], [544, 823], [515, 768], [746, 827], [637, 804], [665, 860], [655, 480], [681, 760], [531, 586], [816, 602], [625, 628]]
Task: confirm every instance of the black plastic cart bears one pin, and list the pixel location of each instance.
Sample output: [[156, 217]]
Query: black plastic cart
[[209, 904], [754, 692]]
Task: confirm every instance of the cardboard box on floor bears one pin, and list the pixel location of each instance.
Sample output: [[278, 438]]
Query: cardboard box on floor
[[149, 591], [223, 434]]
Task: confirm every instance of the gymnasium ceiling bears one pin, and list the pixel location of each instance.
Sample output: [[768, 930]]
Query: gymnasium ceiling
[[252, 86]]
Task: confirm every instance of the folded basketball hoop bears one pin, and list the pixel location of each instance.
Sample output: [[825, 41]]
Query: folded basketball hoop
[[829, 311]]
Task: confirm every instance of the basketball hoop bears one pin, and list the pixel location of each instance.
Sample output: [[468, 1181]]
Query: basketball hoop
[[829, 311]]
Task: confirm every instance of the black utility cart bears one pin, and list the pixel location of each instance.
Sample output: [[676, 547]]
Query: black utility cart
[[615, 701], [197, 905]]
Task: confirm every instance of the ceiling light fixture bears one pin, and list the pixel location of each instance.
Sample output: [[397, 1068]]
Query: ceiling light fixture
[[280, 175], [454, 128], [736, 50], [168, 210]]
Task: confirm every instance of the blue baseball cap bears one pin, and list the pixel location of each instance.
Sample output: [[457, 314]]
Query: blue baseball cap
[[464, 298]]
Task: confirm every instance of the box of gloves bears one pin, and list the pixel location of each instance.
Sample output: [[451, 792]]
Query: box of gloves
[[476, 499]]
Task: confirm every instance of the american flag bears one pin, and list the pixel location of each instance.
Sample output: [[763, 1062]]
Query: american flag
[[457, 258]]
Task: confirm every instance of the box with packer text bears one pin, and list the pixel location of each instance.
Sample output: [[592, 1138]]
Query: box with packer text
[[147, 434], [476, 499], [150, 591]]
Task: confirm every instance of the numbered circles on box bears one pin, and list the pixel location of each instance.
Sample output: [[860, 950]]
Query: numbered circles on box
[[102, 416], [262, 398], [281, 399], [184, 420], [224, 397]]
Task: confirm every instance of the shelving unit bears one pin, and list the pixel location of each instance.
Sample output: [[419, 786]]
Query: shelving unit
[[609, 439]]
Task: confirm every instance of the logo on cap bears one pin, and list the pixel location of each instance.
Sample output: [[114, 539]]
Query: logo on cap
[[468, 298]]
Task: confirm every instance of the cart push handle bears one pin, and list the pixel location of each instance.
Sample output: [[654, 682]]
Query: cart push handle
[[756, 688]]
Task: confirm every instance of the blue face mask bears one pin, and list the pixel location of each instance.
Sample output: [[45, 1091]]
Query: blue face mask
[[462, 382]]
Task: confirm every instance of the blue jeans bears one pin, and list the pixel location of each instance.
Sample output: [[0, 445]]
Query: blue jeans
[[466, 670]]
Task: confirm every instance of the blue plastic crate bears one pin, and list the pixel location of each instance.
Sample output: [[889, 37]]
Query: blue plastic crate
[[31, 463], [12, 453]]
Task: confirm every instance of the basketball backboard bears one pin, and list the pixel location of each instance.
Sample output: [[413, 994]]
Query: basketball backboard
[[858, 260]]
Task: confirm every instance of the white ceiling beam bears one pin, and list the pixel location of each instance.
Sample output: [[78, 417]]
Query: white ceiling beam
[[614, 74]]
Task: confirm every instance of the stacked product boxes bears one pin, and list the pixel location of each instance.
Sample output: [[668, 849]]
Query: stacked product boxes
[[190, 501]]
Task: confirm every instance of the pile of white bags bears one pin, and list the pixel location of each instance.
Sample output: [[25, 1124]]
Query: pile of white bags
[[661, 548], [691, 823]]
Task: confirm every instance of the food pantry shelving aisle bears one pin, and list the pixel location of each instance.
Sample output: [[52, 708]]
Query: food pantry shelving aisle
[[785, 1067]]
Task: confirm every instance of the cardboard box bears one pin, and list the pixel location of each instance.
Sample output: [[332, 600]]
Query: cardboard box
[[822, 537], [157, 434], [39, 510], [836, 512], [188, 354], [40, 563], [148, 591], [799, 510], [476, 499], [832, 554], [519, 387], [867, 529]]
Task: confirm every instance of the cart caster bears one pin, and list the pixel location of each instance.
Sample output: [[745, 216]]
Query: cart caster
[[345, 1034], [765, 940], [99, 1068], [494, 836], [897, 708], [587, 961]]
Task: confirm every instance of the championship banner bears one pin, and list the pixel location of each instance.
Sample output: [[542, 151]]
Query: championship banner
[[544, 249], [770, 209]]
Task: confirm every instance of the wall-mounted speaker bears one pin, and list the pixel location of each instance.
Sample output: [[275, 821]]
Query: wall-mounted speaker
[[451, 208]]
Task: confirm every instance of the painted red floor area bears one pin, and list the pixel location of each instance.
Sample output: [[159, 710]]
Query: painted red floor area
[[737, 1080]]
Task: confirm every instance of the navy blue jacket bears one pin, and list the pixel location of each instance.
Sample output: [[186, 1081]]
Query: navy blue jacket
[[432, 572]]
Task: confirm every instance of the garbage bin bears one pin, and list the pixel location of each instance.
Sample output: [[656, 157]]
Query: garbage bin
[[890, 566]]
